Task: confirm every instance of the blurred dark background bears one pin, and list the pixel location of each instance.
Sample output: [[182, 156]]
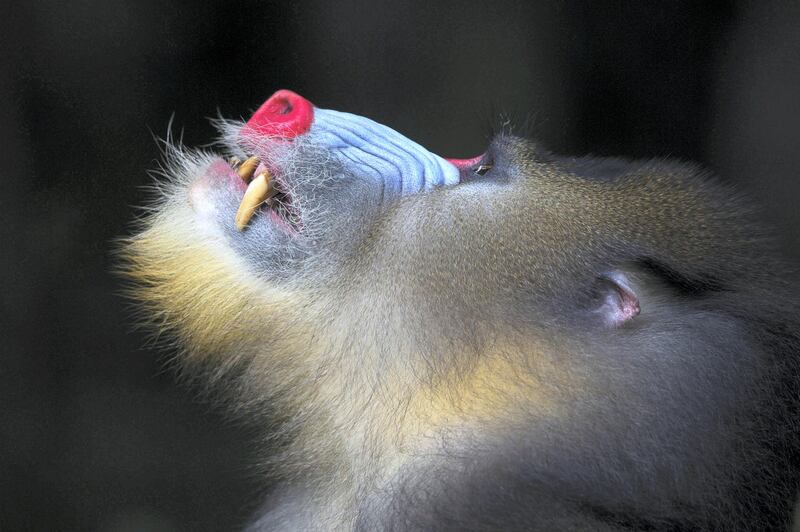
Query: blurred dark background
[[95, 433]]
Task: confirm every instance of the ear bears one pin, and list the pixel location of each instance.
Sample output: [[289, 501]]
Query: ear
[[617, 303]]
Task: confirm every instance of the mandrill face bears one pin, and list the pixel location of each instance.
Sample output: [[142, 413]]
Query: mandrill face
[[608, 339]]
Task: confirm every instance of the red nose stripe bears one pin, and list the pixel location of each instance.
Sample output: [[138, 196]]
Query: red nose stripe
[[462, 164], [285, 114]]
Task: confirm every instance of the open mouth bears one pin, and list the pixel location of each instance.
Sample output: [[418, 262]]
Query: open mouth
[[373, 152], [264, 193]]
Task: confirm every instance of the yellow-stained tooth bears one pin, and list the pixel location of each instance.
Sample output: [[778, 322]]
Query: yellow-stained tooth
[[257, 192], [247, 168]]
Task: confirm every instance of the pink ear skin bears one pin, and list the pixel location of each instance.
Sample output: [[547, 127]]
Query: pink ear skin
[[618, 302]]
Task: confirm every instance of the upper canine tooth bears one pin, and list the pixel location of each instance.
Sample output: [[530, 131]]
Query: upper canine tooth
[[234, 161], [257, 192], [247, 168]]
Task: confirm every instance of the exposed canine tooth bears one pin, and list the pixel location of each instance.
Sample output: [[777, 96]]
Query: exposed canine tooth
[[234, 161], [257, 192], [247, 168]]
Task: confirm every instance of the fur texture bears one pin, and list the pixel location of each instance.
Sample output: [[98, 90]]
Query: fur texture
[[437, 362]]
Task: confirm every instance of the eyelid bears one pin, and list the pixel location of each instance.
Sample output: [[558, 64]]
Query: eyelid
[[486, 163], [482, 168]]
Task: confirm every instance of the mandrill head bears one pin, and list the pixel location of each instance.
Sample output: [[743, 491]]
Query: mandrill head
[[515, 340]]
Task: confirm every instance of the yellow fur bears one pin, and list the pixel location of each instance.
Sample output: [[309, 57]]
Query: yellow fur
[[191, 287]]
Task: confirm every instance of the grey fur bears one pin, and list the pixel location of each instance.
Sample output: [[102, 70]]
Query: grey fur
[[682, 419]]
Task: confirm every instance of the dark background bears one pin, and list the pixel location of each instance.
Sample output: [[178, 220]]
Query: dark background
[[95, 433]]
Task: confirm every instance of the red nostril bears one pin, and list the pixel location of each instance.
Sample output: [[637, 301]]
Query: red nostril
[[285, 114]]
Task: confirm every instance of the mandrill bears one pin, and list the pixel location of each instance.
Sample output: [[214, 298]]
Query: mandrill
[[519, 341]]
